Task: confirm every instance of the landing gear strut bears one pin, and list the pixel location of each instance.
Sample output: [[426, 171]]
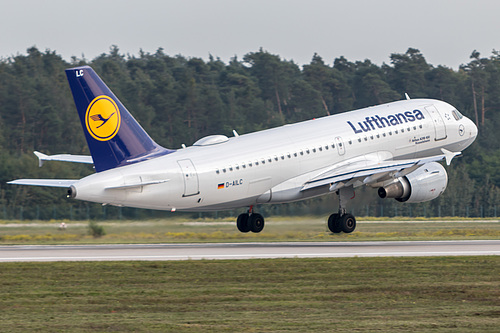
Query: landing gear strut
[[250, 222], [343, 221]]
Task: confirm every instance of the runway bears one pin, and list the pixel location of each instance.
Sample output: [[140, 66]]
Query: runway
[[144, 252]]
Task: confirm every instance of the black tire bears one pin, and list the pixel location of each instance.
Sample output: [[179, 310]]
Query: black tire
[[256, 222], [348, 223], [242, 223], [334, 223]]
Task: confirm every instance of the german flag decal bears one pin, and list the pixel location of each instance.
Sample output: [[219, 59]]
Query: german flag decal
[[220, 186]]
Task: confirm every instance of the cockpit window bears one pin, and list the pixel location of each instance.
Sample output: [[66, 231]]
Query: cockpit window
[[457, 115]]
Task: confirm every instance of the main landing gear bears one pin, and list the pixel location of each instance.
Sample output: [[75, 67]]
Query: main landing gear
[[338, 223], [250, 222], [343, 221]]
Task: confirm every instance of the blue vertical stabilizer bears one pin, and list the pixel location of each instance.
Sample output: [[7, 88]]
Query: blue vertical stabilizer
[[114, 137]]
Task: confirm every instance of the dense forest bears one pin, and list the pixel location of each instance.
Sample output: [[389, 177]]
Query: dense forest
[[179, 99]]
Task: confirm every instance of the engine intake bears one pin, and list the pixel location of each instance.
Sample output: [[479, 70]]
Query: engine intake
[[424, 184]]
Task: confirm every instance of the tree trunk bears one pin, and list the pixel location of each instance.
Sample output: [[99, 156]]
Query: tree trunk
[[483, 110], [325, 106], [475, 103]]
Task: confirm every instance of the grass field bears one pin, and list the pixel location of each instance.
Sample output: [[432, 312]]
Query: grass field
[[277, 229], [438, 294]]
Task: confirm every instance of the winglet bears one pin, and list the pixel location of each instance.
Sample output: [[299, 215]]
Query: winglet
[[448, 155], [41, 157]]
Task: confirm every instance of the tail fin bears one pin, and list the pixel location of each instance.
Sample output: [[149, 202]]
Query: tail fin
[[114, 137]]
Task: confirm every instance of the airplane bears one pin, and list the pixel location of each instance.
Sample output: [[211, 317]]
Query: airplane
[[394, 148]]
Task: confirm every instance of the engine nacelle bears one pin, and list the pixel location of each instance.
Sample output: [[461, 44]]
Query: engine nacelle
[[424, 184]]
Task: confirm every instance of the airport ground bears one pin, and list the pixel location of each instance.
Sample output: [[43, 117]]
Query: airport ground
[[224, 230], [432, 294]]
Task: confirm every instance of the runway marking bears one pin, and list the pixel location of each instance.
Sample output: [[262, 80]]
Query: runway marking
[[259, 256]]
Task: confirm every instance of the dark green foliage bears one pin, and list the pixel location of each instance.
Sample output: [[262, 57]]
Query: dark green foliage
[[96, 230], [179, 100]]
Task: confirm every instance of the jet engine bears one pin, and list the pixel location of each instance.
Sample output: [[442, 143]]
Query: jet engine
[[424, 184]]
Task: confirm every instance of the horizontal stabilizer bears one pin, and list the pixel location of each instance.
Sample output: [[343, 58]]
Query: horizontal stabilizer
[[45, 182], [63, 158]]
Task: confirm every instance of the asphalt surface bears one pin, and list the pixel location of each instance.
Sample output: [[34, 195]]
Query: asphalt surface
[[246, 250]]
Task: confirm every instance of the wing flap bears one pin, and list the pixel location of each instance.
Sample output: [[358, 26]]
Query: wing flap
[[366, 172]]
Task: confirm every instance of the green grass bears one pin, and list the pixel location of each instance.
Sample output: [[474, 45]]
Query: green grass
[[224, 230], [438, 294]]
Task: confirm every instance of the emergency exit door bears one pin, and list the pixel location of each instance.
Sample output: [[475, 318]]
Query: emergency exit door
[[439, 125], [191, 183]]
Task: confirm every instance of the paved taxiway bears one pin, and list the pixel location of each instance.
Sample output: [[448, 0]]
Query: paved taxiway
[[247, 250]]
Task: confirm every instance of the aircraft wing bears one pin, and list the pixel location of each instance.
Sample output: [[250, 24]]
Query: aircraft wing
[[63, 158], [369, 171], [45, 182]]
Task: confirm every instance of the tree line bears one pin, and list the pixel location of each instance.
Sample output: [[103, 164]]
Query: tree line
[[180, 99]]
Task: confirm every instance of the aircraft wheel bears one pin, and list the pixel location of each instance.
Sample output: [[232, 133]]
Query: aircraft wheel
[[242, 223], [347, 223], [334, 223], [256, 222]]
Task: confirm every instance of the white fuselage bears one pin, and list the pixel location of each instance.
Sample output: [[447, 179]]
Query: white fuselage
[[272, 166]]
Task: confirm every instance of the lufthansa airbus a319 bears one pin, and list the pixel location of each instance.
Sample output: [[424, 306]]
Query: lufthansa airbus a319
[[393, 147]]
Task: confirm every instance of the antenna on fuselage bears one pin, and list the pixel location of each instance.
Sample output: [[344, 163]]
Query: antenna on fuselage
[[407, 97]]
